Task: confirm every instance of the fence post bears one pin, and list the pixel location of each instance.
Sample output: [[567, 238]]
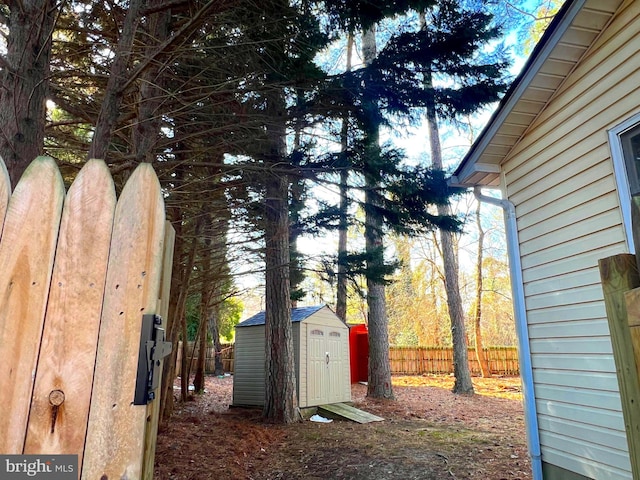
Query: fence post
[[153, 409], [619, 274]]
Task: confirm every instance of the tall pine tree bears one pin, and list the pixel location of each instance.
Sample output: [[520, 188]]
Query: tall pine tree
[[454, 37]]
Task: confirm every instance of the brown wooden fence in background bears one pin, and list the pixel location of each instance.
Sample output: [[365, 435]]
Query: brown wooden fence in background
[[226, 352], [406, 360], [439, 360]]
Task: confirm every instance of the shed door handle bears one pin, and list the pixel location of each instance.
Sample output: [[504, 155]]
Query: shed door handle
[[327, 357]]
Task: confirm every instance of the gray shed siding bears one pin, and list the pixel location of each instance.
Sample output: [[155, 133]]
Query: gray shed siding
[[248, 381]]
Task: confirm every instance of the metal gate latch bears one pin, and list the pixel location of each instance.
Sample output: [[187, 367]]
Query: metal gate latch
[[153, 349]]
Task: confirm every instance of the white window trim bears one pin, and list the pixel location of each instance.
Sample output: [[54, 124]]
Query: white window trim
[[620, 171]]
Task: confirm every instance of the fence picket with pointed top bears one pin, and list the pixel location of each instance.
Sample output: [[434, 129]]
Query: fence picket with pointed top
[[26, 259], [72, 321], [116, 426]]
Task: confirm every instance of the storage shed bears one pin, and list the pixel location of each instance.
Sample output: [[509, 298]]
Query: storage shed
[[321, 357]]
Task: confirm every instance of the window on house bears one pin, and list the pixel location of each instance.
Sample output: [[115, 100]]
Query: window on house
[[630, 143], [624, 141]]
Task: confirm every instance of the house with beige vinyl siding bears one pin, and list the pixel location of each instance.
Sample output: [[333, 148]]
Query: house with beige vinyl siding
[[563, 151]]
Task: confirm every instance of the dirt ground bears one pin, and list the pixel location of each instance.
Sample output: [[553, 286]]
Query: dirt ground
[[428, 433]]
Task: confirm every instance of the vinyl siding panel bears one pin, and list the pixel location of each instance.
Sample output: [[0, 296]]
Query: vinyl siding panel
[[583, 211], [600, 222], [560, 177], [568, 314], [587, 293], [603, 437], [569, 185], [570, 280], [614, 460], [573, 260], [604, 419], [589, 195], [582, 362], [597, 381], [575, 345], [569, 248], [567, 329], [586, 467], [585, 397]]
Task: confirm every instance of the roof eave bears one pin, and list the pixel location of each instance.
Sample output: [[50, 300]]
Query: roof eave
[[472, 171]]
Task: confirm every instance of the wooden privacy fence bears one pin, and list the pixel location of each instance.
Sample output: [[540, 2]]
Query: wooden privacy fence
[[226, 352], [78, 272], [407, 360], [439, 360]]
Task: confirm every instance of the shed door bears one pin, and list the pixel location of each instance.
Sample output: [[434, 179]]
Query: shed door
[[335, 366], [325, 357]]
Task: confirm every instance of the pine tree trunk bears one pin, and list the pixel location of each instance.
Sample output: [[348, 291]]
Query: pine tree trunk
[[147, 128], [118, 77], [184, 365], [296, 204], [463, 383], [343, 225], [379, 385], [281, 402], [24, 83], [180, 279], [479, 347], [198, 380], [206, 294], [214, 320], [341, 280]]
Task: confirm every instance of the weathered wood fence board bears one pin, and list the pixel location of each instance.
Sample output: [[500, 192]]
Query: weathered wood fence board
[[405, 360], [70, 337], [78, 273], [27, 250], [116, 426]]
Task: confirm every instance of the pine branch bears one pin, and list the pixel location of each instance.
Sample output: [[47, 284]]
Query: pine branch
[[184, 31]]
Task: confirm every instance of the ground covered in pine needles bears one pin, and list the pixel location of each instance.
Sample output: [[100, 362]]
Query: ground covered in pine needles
[[428, 433]]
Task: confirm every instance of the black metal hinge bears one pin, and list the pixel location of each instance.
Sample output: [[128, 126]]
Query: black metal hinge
[[153, 349]]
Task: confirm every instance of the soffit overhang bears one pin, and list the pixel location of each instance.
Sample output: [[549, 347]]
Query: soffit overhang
[[573, 30]]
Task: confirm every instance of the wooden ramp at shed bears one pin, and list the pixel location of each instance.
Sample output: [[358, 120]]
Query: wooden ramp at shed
[[342, 410]]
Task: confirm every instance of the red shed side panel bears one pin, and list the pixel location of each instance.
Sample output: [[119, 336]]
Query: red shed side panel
[[359, 348]]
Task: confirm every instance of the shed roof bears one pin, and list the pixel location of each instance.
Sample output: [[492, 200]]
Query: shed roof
[[565, 41], [297, 315]]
